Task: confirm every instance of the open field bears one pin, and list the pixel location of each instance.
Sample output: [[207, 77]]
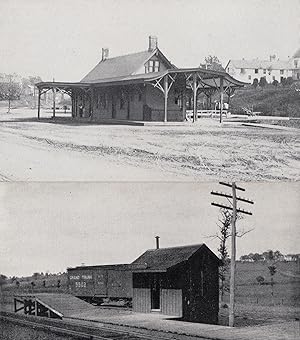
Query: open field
[[66, 150]]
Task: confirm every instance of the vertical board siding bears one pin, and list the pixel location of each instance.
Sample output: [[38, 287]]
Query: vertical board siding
[[171, 302], [141, 300]]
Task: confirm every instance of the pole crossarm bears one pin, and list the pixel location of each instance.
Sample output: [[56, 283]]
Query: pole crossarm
[[243, 199], [230, 186], [230, 208]]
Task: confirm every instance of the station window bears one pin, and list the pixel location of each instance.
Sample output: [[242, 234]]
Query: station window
[[256, 70], [102, 100], [265, 71], [98, 101], [281, 71], [122, 100], [249, 77], [242, 70], [153, 66]]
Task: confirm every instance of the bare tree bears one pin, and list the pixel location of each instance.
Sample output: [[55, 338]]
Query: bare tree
[[223, 234], [212, 63], [10, 90]]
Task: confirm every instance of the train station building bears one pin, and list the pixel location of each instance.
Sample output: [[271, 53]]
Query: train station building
[[143, 86]]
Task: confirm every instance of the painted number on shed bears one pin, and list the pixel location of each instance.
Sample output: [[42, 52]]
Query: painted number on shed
[[80, 284]]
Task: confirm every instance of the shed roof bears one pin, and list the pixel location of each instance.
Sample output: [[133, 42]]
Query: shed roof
[[164, 258]]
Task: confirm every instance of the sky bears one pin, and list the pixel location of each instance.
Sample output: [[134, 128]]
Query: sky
[[52, 226], [62, 39]]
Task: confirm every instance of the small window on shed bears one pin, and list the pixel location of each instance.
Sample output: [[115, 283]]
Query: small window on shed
[[249, 77], [201, 283], [265, 71], [140, 96]]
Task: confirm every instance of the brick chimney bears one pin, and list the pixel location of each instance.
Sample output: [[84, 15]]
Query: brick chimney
[[152, 43], [157, 241], [105, 53]]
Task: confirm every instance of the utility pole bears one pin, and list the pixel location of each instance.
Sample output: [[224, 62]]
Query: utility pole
[[235, 210]]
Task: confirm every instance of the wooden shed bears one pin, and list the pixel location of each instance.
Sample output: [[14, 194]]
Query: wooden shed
[[178, 281]]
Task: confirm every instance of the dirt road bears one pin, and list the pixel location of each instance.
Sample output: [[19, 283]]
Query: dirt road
[[44, 151]]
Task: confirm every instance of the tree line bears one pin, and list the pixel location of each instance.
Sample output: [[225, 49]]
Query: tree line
[[268, 255]]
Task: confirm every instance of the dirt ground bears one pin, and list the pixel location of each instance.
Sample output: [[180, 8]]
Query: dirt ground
[[206, 151]]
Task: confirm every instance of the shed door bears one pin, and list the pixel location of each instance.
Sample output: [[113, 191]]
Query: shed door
[[171, 302], [141, 300]]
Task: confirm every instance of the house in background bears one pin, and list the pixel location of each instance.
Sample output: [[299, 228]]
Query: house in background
[[296, 65], [178, 281], [272, 69], [143, 86]]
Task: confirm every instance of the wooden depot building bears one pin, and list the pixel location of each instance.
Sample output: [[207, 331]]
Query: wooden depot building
[[179, 281], [143, 86]]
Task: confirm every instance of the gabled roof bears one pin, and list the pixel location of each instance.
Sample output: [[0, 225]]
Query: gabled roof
[[121, 66], [261, 64], [165, 258], [297, 54]]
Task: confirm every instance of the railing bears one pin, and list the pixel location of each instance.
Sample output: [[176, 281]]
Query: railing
[[206, 113]]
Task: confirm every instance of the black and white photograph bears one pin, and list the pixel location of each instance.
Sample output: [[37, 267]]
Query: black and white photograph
[[149, 169]]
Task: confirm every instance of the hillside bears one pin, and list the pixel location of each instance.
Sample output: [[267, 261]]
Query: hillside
[[286, 284], [274, 101]]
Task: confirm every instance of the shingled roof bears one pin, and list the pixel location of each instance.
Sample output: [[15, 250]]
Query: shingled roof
[[165, 258], [122, 66]]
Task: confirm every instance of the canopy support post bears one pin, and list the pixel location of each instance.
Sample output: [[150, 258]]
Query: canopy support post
[[221, 98], [195, 97], [54, 101], [166, 98], [39, 104], [183, 103], [92, 98]]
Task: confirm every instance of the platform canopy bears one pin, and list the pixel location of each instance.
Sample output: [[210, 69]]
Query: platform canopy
[[197, 80]]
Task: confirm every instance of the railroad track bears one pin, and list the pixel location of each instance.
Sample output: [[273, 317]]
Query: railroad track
[[79, 331]]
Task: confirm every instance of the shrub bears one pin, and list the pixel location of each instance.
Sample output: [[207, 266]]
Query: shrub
[[260, 279]]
